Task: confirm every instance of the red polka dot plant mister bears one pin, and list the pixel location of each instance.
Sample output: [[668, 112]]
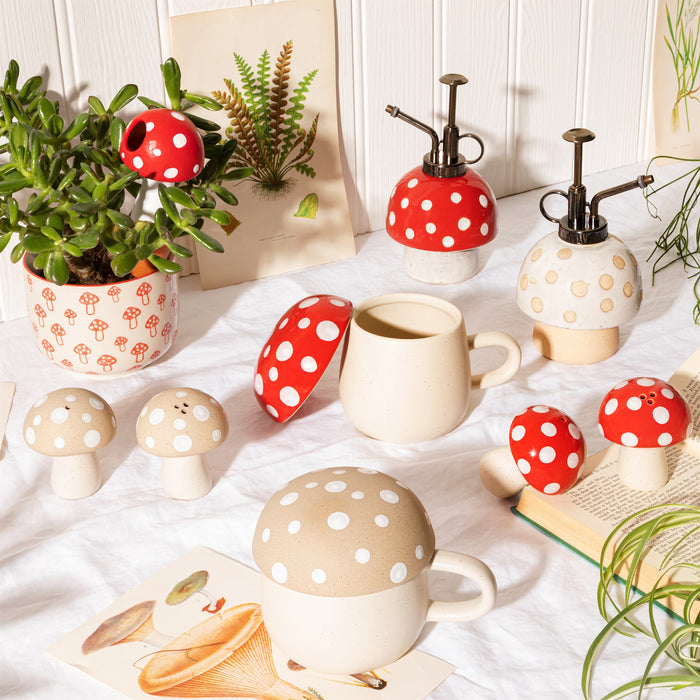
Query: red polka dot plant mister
[[98, 210]]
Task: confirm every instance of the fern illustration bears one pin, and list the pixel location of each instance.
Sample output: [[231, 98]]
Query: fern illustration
[[266, 122]]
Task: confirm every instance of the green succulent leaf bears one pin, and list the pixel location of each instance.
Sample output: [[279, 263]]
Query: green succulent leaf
[[168, 266], [125, 95], [72, 249], [217, 216], [29, 88], [75, 127], [119, 219], [56, 268], [11, 76], [178, 250], [10, 186], [203, 101], [203, 124], [205, 240], [124, 263], [225, 195], [116, 132], [172, 77], [96, 106], [37, 244], [151, 104], [17, 253], [180, 197], [5, 238]]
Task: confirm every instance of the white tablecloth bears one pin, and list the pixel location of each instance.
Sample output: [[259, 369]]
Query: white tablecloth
[[63, 561]]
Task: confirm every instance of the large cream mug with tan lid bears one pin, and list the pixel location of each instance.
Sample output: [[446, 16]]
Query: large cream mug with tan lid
[[405, 374], [345, 555]]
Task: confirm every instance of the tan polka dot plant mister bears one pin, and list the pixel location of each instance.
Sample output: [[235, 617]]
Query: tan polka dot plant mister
[[579, 283]]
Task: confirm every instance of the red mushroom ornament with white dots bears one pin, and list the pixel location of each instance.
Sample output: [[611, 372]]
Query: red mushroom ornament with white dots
[[163, 145], [644, 415], [442, 211]]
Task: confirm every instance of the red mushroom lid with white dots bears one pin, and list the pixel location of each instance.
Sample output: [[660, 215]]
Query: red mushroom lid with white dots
[[298, 351], [343, 531], [441, 214], [644, 412], [548, 448], [162, 145]]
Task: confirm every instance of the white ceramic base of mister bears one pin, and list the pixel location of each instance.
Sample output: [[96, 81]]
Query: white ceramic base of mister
[[186, 478], [438, 267], [75, 476], [573, 346], [642, 468]]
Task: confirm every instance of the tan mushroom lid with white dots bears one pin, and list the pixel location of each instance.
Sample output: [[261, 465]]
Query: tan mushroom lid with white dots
[[181, 422], [343, 531], [583, 287], [69, 421]]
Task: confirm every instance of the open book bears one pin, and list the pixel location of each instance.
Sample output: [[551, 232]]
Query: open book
[[584, 516]]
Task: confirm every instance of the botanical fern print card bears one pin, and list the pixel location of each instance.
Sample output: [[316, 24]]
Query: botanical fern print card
[[195, 629], [272, 68]]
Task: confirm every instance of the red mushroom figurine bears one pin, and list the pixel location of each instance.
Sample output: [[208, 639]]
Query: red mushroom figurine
[[643, 416], [442, 211], [546, 450], [298, 352], [163, 145]]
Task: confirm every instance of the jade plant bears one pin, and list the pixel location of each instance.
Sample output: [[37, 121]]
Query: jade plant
[[266, 121], [67, 198], [632, 613]]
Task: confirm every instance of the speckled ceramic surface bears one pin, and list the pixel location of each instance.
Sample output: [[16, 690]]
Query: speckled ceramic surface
[[343, 531], [181, 422], [581, 287], [103, 329], [69, 421]]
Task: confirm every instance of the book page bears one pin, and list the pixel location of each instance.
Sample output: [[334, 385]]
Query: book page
[[687, 381]]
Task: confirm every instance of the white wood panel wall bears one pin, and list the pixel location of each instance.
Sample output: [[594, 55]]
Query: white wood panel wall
[[536, 68]]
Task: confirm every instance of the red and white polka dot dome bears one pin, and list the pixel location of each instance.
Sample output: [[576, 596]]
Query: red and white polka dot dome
[[548, 448], [644, 412], [163, 145], [298, 351], [343, 531], [442, 214]]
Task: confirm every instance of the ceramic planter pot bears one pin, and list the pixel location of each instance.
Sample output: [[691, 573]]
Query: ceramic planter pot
[[345, 555], [103, 329]]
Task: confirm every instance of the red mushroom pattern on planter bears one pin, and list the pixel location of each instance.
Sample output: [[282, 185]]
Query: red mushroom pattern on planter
[[548, 448], [298, 352], [644, 412], [103, 328], [442, 214]]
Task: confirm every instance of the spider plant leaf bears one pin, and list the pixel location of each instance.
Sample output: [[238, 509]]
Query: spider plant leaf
[[308, 207], [125, 95]]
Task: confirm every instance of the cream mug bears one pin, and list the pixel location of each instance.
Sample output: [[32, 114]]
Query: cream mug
[[405, 374]]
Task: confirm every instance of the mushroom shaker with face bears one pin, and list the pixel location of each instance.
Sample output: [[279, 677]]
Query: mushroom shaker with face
[[643, 416], [579, 283], [546, 450], [181, 425], [442, 211], [345, 554], [70, 425]]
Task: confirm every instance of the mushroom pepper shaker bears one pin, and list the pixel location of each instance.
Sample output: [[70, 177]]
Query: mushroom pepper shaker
[[443, 210], [181, 425], [546, 450], [70, 425], [579, 283], [643, 416]]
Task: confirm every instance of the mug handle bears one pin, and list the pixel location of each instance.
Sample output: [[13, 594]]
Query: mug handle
[[501, 374], [469, 567]]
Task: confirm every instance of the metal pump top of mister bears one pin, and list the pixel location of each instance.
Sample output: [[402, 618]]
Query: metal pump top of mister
[[448, 162], [580, 226]]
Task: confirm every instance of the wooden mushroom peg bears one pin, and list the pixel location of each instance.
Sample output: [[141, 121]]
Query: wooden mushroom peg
[[70, 425], [644, 415], [546, 450], [181, 425]]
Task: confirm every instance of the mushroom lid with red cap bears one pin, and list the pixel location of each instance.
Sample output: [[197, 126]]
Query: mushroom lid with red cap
[[163, 145], [298, 351], [442, 214], [343, 531], [644, 412], [548, 448]]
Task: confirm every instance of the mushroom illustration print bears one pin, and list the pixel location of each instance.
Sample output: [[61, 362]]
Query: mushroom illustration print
[[298, 352], [163, 145], [579, 283], [191, 585], [644, 415], [344, 554], [546, 450], [181, 425], [442, 211], [70, 425]]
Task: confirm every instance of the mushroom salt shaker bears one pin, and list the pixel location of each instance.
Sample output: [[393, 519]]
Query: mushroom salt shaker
[[162, 145], [546, 450], [181, 425], [70, 425], [643, 416], [442, 211], [579, 283], [345, 554]]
